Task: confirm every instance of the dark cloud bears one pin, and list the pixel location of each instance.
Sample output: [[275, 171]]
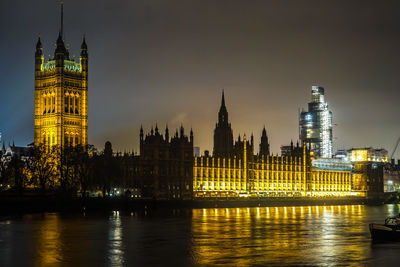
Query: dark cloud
[[158, 61]]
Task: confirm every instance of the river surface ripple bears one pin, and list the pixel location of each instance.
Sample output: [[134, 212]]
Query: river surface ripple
[[264, 236]]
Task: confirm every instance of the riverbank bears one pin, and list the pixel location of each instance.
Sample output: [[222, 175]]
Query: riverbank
[[53, 203]]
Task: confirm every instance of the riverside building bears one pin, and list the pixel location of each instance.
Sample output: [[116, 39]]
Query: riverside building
[[240, 172]]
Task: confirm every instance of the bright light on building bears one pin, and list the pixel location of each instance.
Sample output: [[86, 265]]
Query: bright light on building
[[316, 124]]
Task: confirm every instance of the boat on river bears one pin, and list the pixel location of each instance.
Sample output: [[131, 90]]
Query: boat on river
[[390, 231]]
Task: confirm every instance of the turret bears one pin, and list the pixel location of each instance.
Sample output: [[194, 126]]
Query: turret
[[264, 145], [156, 130], [141, 133], [182, 131], [39, 58], [191, 135], [84, 56]]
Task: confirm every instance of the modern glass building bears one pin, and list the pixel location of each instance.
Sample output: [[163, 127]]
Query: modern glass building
[[316, 124]]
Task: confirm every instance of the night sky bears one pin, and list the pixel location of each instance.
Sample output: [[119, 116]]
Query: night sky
[[157, 61]]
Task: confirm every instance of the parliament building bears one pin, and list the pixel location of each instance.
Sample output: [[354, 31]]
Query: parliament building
[[234, 170]]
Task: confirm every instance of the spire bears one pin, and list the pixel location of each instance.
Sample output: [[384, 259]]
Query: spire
[[156, 129], [60, 46], [83, 47], [223, 99], [223, 113], [191, 135], [39, 44], [264, 145], [141, 133], [166, 133], [264, 132]]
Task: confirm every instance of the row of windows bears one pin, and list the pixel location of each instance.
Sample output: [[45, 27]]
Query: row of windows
[[69, 140], [275, 167], [49, 103], [72, 104], [53, 83]]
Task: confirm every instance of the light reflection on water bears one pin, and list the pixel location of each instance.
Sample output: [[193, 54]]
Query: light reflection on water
[[115, 244], [49, 247], [293, 235], [308, 235]]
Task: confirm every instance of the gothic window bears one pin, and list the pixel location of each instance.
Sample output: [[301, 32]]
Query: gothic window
[[54, 104], [66, 104], [44, 104], [76, 140], [71, 103], [48, 104], [76, 105]]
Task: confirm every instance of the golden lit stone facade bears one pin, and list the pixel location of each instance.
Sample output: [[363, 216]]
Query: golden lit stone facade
[[330, 183], [61, 97], [267, 176]]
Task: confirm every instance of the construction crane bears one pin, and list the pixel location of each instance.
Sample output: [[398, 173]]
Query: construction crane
[[394, 150]]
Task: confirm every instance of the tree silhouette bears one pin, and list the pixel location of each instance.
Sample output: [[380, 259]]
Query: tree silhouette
[[43, 166]]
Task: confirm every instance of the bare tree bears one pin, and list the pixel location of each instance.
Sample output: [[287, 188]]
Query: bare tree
[[43, 166], [83, 168]]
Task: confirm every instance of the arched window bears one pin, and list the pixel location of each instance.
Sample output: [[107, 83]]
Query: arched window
[[54, 103], [44, 104], [71, 103], [48, 104], [76, 105]]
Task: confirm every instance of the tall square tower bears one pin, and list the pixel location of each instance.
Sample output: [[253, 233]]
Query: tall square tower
[[61, 96]]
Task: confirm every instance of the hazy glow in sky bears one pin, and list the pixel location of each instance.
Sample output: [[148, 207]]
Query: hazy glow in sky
[[155, 61]]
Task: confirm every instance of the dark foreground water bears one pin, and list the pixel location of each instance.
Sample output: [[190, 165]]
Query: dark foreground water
[[310, 235]]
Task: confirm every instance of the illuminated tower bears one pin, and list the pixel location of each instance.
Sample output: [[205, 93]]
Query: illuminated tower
[[316, 124], [61, 95], [223, 136]]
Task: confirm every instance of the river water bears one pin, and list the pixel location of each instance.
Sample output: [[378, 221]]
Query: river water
[[264, 236]]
